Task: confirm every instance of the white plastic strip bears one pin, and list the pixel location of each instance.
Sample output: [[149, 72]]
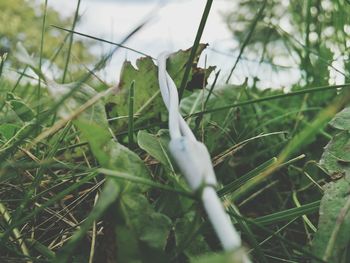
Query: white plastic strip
[[177, 125], [228, 236], [194, 161]]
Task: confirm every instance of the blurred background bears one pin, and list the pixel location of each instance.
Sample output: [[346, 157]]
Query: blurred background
[[277, 51]]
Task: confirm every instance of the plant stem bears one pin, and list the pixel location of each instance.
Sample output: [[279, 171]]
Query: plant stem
[[194, 48]]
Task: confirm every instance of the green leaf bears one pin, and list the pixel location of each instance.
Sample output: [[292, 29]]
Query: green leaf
[[112, 155], [198, 76], [341, 121], [332, 237], [233, 257], [155, 145], [127, 245], [336, 156], [151, 227], [8, 130], [187, 236], [22, 110]]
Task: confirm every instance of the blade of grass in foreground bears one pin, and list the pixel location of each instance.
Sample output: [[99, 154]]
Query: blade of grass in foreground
[[194, 48], [140, 180], [288, 214], [273, 97], [104, 41], [249, 185], [233, 186]]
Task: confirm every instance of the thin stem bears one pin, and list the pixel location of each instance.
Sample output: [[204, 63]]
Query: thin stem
[[76, 15], [17, 235], [131, 114], [247, 39], [195, 47], [273, 97], [41, 53]]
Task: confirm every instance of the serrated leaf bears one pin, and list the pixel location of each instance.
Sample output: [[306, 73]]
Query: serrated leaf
[[177, 63], [335, 197], [145, 76], [341, 121], [185, 225], [336, 156]]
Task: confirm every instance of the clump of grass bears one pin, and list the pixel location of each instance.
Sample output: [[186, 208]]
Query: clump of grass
[[87, 178]]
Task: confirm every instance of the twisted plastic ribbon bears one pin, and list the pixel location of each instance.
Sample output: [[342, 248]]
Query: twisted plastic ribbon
[[194, 161]]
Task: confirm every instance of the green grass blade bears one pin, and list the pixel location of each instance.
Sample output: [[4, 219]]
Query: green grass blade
[[288, 214], [194, 48], [236, 184], [131, 114], [76, 15], [273, 97]]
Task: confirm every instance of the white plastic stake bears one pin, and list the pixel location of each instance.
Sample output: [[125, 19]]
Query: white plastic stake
[[194, 161]]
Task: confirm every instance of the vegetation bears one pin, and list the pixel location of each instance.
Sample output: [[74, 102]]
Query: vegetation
[[85, 171]]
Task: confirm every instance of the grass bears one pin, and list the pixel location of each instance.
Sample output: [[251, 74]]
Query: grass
[[80, 184]]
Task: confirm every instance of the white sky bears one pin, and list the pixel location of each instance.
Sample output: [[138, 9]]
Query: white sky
[[173, 27]]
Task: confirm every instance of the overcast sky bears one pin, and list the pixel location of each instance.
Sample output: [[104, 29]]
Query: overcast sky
[[173, 26]]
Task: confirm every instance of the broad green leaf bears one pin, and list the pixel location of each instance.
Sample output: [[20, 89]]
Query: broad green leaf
[[43, 250], [112, 155], [155, 145], [151, 227], [185, 228], [142, 234], [130, 249], [233, 257], [341, 121], [22, 110], [174, 205], [336, 156], [127, 245], [8, 130], [332, 237]]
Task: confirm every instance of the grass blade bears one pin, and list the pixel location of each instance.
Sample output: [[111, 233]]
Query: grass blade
[[194, 48]]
